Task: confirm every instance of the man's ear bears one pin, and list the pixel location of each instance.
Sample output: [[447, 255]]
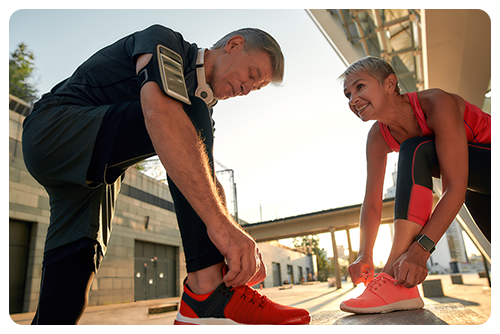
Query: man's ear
[[234, 42]]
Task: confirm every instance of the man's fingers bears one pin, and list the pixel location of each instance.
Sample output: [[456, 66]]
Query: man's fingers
[[261, 272], [240, 272], [246, 270], [234, 269]]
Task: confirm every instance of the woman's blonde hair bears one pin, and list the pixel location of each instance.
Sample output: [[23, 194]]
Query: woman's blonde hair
[[376, 67]]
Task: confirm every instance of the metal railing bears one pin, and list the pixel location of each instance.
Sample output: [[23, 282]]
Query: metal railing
[[21, 107], [465, 220]]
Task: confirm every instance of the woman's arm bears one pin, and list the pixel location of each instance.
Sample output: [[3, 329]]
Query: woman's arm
[[371, 210], [445, 119]]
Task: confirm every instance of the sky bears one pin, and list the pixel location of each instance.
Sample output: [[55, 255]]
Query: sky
[[294, 148]]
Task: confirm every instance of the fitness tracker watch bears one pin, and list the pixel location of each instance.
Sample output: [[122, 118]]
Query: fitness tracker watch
[[426, 243]]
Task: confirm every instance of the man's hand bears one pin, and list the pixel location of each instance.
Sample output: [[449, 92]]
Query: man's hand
[[261, 273], [410, 269], [362, 270], [241, 253]]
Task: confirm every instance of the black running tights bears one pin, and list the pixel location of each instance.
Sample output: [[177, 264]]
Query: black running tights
[[123, 141], [418, 163], [64, 289]]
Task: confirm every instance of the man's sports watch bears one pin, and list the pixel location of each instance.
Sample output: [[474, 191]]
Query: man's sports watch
[[426, 243]]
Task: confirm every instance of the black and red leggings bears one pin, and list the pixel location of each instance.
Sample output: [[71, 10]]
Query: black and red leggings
[[418, 163]]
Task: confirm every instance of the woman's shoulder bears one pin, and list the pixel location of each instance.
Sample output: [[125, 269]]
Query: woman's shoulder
[[440, 107], [436, 96], [431, 95]]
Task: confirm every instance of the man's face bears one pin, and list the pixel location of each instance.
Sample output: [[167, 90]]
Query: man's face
[[237, 72]]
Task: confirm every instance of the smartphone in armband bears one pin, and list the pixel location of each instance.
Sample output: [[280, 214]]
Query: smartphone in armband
[[167, 70]]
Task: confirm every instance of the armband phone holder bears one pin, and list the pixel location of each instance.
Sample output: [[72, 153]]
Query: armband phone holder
[[167, 70]]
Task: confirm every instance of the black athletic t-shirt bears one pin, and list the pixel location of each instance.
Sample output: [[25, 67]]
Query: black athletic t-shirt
[[109, 76], [59, 136]]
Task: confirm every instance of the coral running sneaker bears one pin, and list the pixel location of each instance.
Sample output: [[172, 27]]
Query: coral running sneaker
[[236, 306], [383, 294]]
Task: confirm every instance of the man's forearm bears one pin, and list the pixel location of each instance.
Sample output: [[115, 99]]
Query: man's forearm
[[184, 157], [221, 192]]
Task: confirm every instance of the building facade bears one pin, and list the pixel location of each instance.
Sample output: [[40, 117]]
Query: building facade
[[285, 265], [144, 260]]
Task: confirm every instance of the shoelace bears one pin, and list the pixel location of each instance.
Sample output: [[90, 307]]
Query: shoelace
[[254, 296], [378, 280]]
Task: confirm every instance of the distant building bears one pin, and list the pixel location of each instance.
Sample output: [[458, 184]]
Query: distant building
[[391, 191], [285, 265]]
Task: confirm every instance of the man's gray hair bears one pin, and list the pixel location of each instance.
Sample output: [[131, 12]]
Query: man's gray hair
[[259, 40]]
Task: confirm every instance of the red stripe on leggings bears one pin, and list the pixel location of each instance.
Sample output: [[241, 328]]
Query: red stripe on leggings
[[420, 205]]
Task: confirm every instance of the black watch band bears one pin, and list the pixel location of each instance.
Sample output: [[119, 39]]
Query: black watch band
[[426, 243]]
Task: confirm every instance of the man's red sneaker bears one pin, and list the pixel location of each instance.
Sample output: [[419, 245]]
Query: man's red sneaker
[[383, 294], [235, 306]]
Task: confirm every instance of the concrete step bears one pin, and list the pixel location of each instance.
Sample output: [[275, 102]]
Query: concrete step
[[431, 314], [164, 308]]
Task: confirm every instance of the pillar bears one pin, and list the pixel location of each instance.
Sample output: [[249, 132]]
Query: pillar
[[351, 254], [335, 258]]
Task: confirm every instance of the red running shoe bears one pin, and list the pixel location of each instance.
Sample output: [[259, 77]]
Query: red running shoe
[[235, 306], [383, 294]]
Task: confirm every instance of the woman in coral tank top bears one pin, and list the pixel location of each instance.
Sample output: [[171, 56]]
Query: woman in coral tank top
[[437, 134]]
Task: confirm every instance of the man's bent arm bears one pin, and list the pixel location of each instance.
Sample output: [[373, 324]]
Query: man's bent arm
[[182, 154]]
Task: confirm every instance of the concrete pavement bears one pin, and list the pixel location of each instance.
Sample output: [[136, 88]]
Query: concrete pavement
[[470, 302]]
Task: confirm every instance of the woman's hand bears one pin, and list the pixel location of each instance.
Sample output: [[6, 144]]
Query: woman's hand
[[362, 270], [410, 269]]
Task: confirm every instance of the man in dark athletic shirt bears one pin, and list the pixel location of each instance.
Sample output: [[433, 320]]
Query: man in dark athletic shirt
[[149, 93]]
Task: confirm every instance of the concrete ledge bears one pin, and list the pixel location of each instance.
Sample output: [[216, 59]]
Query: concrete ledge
[[286, 286], [456, 279], [431, 314], [163, 308], [432, 288]]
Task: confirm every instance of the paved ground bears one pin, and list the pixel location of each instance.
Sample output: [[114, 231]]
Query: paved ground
[[474, 294]]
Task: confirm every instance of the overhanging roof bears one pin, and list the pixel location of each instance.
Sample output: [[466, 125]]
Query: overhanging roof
[[428, 48], [314, 223]]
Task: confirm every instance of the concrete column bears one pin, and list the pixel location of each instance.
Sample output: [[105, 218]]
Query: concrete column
[[349, 246], [351, 254], [335, 258]]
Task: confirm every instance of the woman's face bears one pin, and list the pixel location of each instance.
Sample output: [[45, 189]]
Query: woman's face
[[364, 93]]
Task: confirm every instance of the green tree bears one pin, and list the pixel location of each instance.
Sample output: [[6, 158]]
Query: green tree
[[325, 265], [21, 71], [310, 245]]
